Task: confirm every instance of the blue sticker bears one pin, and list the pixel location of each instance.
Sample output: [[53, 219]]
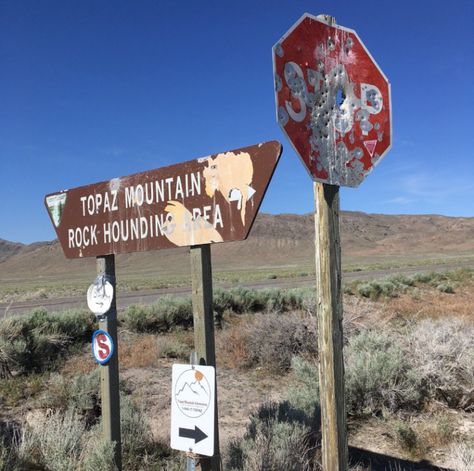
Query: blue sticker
[[102, 346]]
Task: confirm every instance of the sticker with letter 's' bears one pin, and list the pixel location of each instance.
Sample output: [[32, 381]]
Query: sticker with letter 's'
[[102, 346]]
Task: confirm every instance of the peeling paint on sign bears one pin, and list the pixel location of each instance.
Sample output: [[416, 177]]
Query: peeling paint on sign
[[332, 100], [203, 201]]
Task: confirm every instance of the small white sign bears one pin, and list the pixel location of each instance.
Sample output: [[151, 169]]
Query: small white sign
[[100, 295], [193, 408]]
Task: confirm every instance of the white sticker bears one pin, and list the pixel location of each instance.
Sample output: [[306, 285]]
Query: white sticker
[[100, 295]]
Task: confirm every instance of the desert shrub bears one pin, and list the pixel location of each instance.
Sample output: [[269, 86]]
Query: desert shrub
[[62, 443], [245, 300], [303, 392], [164, 315], [378, 374], [376, 289], [65, 441], [442, 352], [269, 341], [172, 348], [445, 288], [462, 456], [169, 313], [15, 389], [406, 436], [36, 342], [392, 285], [462, 275], [424, 277], [136, 434], [400, 279], [97, 455], [277, 437], [139, 451], [54, 444], [9, 460], [80, 393]]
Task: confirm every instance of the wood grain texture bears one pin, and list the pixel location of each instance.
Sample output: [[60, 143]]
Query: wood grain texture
[[204, 341], [109, 373], [330, 339]]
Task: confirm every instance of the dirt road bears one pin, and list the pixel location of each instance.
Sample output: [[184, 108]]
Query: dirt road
[[125, 299]]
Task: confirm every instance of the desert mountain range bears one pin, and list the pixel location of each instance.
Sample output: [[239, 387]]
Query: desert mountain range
[[275, 241]]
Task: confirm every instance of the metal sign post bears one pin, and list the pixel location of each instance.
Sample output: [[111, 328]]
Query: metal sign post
[[109, 373], [333, 104], [204, 344]]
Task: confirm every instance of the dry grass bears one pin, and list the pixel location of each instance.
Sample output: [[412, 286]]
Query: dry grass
[[138, 351], [268, 340], [434, 304], [462, 456], [439, 431], [79, 364]]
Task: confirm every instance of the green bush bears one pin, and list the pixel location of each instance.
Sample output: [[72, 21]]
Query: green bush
[[169, 313], [303, 392], [379, 375], [80, 393], [67, 441], [164, 315], [445, 288], [423, 277], [36, 342], [376, 289], [278, 437], [406, 436], [401, 280]]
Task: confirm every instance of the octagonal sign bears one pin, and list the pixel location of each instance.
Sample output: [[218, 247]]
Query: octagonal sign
[[333, 101]]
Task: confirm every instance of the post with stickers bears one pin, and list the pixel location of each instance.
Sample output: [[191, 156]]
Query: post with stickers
[[333, 104], [101, 301]]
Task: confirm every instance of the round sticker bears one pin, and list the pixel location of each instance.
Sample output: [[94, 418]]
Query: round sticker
[[100, 295], [102, 346]]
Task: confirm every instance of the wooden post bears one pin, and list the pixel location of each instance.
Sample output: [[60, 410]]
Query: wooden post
[[330, 339], [204, 344], [109, 373]]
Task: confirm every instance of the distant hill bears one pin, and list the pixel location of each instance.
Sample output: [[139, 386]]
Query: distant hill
[[275, 241], [9, 249]]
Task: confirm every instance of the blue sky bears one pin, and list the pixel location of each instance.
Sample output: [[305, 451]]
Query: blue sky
[[90, 90]]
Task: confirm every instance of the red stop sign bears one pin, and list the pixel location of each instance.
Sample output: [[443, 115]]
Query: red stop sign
[[333, 101]]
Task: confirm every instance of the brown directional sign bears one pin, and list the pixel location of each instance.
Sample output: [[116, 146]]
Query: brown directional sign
[[203, 201]]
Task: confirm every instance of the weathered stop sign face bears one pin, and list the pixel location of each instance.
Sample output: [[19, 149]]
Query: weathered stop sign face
[[333, 101]]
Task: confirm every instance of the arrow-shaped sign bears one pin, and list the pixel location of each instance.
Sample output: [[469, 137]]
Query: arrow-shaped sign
[[197, 434], [202, 201]]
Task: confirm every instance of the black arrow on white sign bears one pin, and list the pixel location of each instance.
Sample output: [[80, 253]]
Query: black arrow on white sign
[[197, 434]]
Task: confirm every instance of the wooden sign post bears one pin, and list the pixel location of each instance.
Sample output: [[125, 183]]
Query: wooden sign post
[[330, 337], [192, 204], [204, 343], [109, 373], [333, 104]]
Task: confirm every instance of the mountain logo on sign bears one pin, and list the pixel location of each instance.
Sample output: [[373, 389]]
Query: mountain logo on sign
[[192, 393], [195, 387]]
